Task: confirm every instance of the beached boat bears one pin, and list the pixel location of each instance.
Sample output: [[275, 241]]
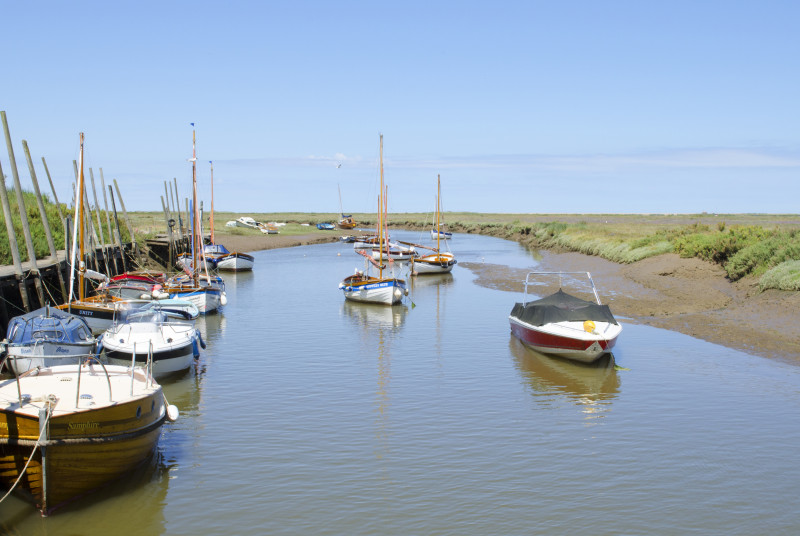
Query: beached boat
[[346, 221], [437, 262], [564, 325], [71, 429], [44, 338], [325, 226], [250, 223], [150, 335], [246, 222], [363, 287]]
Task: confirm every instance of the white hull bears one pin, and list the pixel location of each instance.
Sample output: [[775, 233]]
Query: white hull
[[24, 357], [568, 339], [206, 300], [434, 264], [173, 345], [441, 235], [235, 263], [387, 292]]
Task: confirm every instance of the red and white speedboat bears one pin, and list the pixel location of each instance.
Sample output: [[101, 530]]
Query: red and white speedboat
[[564, 325]]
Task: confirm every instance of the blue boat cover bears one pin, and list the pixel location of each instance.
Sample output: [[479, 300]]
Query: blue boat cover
[[48, 323], [215, 249]]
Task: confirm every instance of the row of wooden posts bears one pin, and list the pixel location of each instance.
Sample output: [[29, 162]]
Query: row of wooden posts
[[179, 231], [100, 251]]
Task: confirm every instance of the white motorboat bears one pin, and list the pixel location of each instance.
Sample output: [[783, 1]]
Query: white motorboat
[[148, 336], [564, 325]]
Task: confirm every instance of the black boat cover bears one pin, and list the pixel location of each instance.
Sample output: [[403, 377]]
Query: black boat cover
[[561, 307]]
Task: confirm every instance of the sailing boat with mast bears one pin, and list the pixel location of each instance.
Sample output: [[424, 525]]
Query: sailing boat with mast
[[218, 254], [204, 292], [438, 233], [98, 311], [362, 287], [436, 262], [346, 221]]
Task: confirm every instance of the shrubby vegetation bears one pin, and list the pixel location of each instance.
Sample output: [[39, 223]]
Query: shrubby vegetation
[[36, 225], [760, 246]]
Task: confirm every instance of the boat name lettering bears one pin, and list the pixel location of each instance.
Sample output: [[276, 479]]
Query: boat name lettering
[[85, 313], [84, 425], [61, 350]]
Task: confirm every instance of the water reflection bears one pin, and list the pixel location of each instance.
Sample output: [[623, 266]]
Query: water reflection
[[431, 280], [369, 315], [212, 326], [377, 324], [591, 387], [132, 505]]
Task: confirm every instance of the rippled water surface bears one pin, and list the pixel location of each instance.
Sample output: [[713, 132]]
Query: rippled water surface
[[309, 415]]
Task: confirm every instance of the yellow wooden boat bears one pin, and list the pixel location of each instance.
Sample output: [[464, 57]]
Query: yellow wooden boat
[[67, 430]]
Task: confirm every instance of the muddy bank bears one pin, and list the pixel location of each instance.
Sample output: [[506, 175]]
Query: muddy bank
[[249, 243], [685, 295]]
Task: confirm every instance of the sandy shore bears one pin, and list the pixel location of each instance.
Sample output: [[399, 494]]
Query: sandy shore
[[685, 295]]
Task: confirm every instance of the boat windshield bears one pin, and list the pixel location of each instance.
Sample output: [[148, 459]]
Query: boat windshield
[[215, 248]]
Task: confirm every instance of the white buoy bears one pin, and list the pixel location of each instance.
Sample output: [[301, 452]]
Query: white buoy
[[172, 413]]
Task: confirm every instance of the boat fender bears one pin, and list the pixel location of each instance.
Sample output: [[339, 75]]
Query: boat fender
[[200, 338], [223, 299], [172, 413], [99, 347], [588, 326]]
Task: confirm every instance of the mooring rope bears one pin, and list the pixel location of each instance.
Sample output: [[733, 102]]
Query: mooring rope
[[30, 458]]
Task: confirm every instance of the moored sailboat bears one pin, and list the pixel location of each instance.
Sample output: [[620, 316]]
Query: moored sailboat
[[437, 262], [207, 293], [98, 311], [366, 288], [218, 254], [346, 221]]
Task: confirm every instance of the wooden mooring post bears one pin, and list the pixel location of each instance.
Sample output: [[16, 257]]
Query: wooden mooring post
[[45, 222], [12, 242], [23, 215]]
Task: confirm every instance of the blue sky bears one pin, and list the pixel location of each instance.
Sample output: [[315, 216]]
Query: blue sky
[[532, 106]]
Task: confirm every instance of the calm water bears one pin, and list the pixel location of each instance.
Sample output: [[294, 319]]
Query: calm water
[[309, 415]]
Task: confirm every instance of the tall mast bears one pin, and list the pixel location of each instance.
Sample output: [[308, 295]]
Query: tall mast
[[380, 216], [438, 208], [77, 228], [212, 201], [195, 223]]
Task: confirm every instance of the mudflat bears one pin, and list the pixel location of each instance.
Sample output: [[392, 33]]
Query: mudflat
[[690, 296]]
